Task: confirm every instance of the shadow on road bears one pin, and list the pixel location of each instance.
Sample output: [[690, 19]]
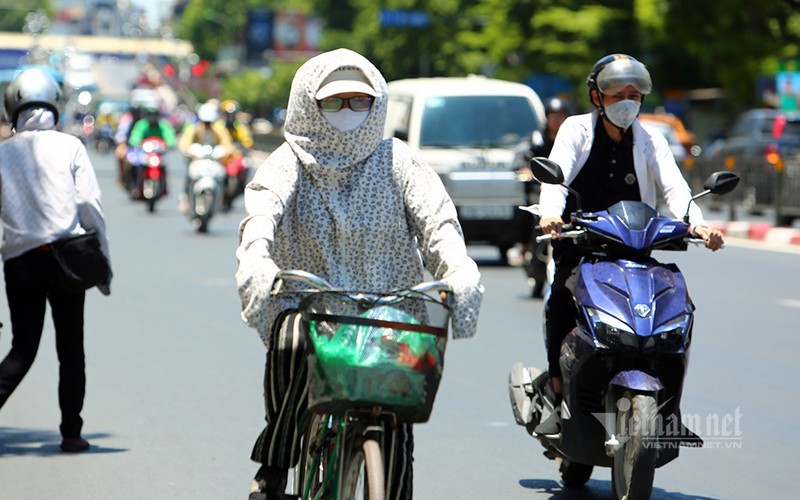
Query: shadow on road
[[35, 442], [595, 490]]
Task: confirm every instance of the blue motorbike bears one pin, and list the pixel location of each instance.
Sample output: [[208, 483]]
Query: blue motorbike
[[624, 363]]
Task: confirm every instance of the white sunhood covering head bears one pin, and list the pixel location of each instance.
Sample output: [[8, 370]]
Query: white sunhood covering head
[[318, 145]]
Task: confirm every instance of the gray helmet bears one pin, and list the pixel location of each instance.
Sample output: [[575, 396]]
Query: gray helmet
[[32, 87], [615, 69]]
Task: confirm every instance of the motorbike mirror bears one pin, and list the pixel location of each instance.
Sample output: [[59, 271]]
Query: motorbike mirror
[[546, 171], [720, 183]]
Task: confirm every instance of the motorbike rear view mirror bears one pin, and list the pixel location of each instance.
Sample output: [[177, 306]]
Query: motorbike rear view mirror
[[718, 183], [547, 171]]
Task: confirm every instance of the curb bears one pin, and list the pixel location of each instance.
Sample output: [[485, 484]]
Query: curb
[[760, 231]]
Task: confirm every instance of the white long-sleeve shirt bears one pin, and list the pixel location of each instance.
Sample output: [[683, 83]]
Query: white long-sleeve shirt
[[653, 162], [48, 190]]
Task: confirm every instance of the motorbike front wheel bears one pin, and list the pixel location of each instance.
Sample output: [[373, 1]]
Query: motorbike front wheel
[[634, 464], [203, 209], [151, 189]]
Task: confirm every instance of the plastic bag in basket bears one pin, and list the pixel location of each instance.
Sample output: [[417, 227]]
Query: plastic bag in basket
[[357, 345]]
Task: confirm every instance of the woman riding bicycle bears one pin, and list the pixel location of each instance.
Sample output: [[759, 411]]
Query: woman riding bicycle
[[365, 213]]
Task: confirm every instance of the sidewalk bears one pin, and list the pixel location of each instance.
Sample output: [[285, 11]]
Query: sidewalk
[[751, 227], [761, 231]]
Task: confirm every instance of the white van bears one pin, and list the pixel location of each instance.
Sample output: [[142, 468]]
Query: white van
[[468, 129]]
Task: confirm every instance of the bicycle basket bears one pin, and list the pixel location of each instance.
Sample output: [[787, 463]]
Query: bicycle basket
[[364, 355]]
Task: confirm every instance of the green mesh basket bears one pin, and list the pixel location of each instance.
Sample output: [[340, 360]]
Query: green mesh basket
[[366, 355]]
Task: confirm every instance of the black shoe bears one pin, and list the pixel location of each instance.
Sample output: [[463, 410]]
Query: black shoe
[[74, 445], [269, 484], [550, 428]]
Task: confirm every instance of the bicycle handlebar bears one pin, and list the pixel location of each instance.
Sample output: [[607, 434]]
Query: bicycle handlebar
[[323, 285]]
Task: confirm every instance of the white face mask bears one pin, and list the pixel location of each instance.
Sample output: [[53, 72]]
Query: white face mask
[[623, 113], [345, 119]]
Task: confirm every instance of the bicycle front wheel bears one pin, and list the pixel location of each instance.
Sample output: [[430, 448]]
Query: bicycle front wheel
[[362, 472], [313, 467]]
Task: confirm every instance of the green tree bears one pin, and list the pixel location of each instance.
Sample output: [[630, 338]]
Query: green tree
[[212, 24], [685, 43], [14, 13], [731, 42], [259, 91]]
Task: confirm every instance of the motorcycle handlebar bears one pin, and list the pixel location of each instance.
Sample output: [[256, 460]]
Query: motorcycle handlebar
[[574, 234]]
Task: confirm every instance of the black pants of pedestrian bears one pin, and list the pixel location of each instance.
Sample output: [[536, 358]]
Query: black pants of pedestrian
[[286, 402], [560, 313], [31, 282]]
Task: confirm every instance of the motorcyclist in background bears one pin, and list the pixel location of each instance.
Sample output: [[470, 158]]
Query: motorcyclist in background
[[237, 127], [208, 129], [238, 165], [121, 136], [152, 124], [535, 255]]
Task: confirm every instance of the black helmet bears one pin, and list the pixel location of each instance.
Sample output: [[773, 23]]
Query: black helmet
[[32, 87], [618, 68], [555, 105]]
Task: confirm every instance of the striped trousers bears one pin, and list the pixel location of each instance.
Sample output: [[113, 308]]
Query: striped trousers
[[286, 403]]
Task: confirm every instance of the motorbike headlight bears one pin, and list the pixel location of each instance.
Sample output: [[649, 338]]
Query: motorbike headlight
[[674, 335], [610, 331]]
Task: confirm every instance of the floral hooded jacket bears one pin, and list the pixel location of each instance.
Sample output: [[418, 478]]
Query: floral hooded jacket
[[363, 212]]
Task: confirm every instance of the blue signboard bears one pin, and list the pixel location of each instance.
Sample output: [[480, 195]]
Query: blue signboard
[[259, 33], [398, 18]]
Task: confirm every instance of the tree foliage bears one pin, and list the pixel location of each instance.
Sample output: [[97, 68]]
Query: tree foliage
[[14, 13], [685, 43], [261, 90]]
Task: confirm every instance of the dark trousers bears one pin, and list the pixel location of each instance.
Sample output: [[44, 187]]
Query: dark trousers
[[286, 403], [560, 313], [31, 282]]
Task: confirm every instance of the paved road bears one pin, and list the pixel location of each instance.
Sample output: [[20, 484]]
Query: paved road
[[174, 380]]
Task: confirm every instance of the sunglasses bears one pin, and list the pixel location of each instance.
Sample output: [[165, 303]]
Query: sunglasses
[[360, 103]]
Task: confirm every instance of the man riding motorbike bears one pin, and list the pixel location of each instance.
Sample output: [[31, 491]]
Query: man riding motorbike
[[207, 130], [152, 125], [237, 166], [237, 128], [606, 156]]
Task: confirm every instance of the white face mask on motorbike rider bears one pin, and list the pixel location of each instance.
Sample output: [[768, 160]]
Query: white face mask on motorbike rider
[[623, 113]]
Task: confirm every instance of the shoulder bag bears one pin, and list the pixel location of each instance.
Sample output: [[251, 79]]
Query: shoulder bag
[[81, 261]]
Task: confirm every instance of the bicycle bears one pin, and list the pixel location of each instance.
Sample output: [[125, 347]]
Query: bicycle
[[375, 361]]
